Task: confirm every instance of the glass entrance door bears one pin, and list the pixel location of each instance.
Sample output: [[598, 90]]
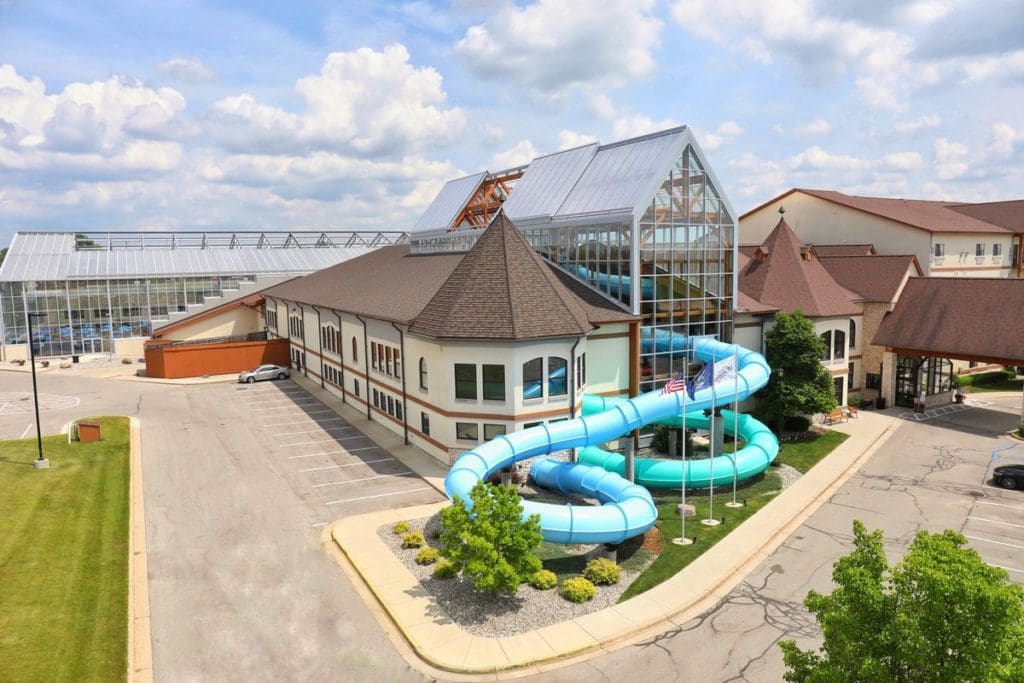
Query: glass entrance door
[[907, 375]]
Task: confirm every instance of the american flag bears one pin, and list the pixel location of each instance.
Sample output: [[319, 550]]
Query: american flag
[[677, 383]]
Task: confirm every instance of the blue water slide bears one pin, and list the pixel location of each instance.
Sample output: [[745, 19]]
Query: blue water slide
[[627, 509]]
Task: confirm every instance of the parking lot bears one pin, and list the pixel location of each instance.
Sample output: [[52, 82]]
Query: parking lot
[[995, 525], [347, 472]]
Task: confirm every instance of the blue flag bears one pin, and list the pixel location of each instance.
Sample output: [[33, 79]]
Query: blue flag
[[702, 380]]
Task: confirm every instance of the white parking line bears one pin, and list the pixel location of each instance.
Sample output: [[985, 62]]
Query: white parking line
[[319, 524], [332, 440], [325, 429], [396, 475], [350, 464], [290, 406], [379, 495], [995, 521], [988, 540], [308, 455], [1000, 505], [1009, 569], [294, 422], [27, 430]]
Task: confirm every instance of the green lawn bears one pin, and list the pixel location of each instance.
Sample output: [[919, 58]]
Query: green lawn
[[64, 558], [803, 455]]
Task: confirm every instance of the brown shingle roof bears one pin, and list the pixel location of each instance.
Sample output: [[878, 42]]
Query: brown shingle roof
[[1009, 214], [875, 278], [958, 318], [502, 290], [933, 216], [787, 280], [390, 284]]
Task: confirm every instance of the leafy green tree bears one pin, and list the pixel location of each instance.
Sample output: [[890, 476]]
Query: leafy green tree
[[489, 541], [940, 614], [805, 385]]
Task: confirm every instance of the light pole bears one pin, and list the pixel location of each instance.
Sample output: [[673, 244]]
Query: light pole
[[41, 462], [781, 375]]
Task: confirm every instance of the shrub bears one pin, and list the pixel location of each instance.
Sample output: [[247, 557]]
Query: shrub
[[543, 580], [126, 361], [602, 571], [577, 589], [400, 528], [796, 423], [853, 399], [488, 540], [413, 539], [445, 570], [427, 555]]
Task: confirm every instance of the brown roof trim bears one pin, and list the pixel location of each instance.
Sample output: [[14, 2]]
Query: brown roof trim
[[250, 300], [770, 201]]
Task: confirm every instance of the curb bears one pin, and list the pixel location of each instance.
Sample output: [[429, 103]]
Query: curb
[[696, 588], [140, 644]]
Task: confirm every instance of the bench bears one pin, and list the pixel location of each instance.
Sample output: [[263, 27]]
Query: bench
[[835, 416], [851, 411]]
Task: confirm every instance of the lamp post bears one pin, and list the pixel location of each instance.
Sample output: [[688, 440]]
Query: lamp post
[[781, 374], [41, 462]]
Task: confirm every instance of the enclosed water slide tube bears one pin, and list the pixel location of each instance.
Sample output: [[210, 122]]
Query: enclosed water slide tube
[[627, 509]]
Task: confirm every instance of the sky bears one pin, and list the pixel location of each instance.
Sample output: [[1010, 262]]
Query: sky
[[351, 115]]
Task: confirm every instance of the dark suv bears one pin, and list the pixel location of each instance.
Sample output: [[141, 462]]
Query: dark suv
[[1009, 476]]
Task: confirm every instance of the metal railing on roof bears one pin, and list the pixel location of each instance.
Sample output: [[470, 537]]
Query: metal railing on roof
[[443, 241], [236, 239]]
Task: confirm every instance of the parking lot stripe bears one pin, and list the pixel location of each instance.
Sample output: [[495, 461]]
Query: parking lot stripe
[[334, 467], [988, 540], [995, 521], [325, 429], [331, 440], [310, 455], [396, 475], [1000, 505], [289, 406], [379, 495], [1009, 569], [293, 422]]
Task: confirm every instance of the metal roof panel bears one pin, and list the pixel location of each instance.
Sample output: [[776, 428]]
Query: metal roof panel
[[446, 206]]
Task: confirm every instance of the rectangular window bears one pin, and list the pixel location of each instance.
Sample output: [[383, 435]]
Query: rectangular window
[[528, 425], [391, 362], [465, 380], [557, 379], [533, 375], [425, 423], [491, 431], [849, 376], [398, 364], [494, 382], [467, 431], [873, 380], [398, 409], [355, 385], [373, 355], [997, 250], [979, 249], [940, 250]]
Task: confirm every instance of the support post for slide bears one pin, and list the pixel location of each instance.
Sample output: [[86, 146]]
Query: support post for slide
[[735, 431], [630, 461]]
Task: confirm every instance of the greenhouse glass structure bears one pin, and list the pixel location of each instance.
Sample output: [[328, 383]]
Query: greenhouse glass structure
[[98, 292], [642, 221]]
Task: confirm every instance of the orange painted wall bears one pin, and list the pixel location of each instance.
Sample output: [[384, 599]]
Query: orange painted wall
[[196, 360]]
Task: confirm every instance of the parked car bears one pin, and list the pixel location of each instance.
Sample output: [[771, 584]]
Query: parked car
[[1009, 476], [264, 372]]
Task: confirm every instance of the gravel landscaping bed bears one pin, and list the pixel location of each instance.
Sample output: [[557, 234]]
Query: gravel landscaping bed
[[495, 615]]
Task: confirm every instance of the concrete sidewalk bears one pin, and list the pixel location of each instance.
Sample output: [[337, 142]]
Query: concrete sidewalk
[[444, 645]]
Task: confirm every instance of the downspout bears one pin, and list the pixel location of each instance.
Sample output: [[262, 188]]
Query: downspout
[[341, 356], [302, 336], [405, 402], [320, 345], [572, 378], [366, 366]]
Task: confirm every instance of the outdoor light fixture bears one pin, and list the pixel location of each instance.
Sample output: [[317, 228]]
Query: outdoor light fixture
[[41, 462]]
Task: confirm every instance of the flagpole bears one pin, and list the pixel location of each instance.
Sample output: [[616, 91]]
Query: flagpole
[[683, 540], [735, 427], [711, 521]]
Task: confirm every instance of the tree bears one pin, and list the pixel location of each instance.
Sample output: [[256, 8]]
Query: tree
[[805, 386], [489, 541], [941, 614]]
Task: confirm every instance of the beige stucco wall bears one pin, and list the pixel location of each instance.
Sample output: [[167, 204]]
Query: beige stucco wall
[[818, 221], [130, 348], [236, 321]]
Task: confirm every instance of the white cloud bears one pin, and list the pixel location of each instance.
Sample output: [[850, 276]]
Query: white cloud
[[723, 136], [903, 161], [185, 69], [633, 125], [568, 139], [523, 152], [552, 45], [1006, 67], [920, 123], [363, 102], [950, 159]]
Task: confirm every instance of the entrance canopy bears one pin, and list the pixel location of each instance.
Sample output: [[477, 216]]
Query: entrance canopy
[[973, 319]]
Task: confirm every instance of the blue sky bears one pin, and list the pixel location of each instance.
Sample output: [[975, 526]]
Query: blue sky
[[351, 114]]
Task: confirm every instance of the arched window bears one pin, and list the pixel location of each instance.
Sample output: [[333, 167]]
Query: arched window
[[826, 339], [355, 351], [839, 344], [533, 378], [423, 373], [558, 384], [853, 334]]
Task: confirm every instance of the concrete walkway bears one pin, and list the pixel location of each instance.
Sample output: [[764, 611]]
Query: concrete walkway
[[444, 645]]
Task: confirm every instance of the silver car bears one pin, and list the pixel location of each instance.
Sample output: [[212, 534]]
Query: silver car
[[264, 372]]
